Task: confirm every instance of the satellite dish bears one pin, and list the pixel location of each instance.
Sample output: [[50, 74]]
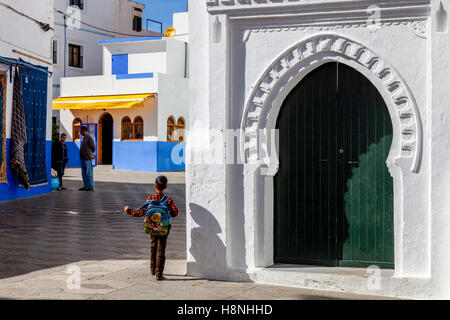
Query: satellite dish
[[170, 32]]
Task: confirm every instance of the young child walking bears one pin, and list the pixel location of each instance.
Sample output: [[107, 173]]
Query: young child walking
[[158, 243]]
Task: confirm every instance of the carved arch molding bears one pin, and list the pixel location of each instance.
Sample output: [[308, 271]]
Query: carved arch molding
[[298, 58]]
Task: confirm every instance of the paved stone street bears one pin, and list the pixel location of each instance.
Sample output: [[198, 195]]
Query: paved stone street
[[43, 238]]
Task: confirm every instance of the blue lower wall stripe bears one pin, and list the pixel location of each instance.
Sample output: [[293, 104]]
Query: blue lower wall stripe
[[171, 156], [135, 155], [73, 152], [150, 156], [147, 156], [12, 191]]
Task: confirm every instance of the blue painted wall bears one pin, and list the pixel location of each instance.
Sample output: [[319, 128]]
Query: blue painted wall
[[120, 64], [135, 155], [171, 156], [73, 152], [11, 191], [150, 156]]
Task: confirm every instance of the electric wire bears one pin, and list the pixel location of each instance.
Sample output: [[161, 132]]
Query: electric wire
[[98, 28], [44, 26]]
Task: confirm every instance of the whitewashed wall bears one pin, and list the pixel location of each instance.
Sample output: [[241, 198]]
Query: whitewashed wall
[[181, 25], [111, 15], [173, 100], [230, 227], [107, 85], [158, 56]]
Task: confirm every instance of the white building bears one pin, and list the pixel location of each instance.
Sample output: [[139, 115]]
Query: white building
[[26, 32], [138, 105], [350, 85], [76, 52]]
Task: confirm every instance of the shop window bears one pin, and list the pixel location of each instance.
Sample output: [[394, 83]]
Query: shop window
[[127, 129], [171, 129], [180, 129], [175, 131], [76, 131], [138, 128]]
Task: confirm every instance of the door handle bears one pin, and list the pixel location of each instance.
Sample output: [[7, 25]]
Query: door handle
[[323, 160], [354, 163]]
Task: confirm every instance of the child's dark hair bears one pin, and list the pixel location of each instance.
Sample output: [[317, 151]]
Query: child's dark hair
[[161, 183]]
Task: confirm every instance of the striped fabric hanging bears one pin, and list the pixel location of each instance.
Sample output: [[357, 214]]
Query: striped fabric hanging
[[18, 134], [3, 176]]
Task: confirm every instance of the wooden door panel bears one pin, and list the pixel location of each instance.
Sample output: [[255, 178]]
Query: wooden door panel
[[305, 227], [368, 192], [333, 193]]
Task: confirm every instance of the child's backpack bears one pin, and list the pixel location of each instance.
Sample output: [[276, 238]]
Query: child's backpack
[[157, 217]]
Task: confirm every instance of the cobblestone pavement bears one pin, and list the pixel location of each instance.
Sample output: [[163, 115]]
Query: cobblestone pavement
[[41, 237]]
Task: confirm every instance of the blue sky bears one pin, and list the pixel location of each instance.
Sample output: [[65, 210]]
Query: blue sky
[[161, 10]]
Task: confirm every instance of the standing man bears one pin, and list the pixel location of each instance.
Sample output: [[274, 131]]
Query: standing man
[[87, 150], [60, 159]]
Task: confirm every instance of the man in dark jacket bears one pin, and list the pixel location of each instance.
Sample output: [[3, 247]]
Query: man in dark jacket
[[60, 159], [87, 150]]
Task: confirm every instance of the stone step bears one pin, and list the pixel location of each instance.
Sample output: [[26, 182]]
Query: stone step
[[346, 280]]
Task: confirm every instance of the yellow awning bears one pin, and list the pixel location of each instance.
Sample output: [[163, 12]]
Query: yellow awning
[[101, 102]]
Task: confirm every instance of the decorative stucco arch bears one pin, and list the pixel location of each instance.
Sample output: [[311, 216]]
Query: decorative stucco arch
[[261, 159], [292, 65]]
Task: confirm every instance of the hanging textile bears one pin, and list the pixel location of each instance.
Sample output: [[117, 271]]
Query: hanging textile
[[3, 129], [34, 90], [18, 134]]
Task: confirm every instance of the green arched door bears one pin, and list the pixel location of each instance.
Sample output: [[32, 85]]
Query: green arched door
[[333, 191]]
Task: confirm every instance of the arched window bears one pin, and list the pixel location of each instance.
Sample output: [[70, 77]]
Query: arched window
[[171, 129], [180, 129], [76, 129], [138, 128], [127, 129]]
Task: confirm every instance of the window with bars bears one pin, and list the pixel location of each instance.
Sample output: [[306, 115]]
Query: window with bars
[[77, 3], [75, 56]]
